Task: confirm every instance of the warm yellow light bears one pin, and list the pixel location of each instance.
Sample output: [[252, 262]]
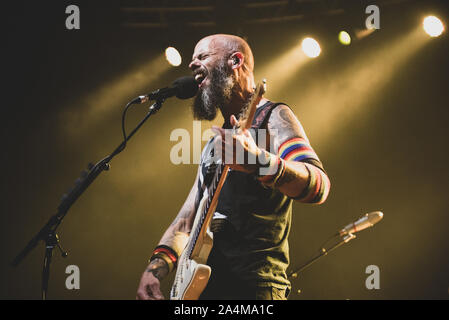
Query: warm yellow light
[[344, 38], [311, 47], [433, 26], [173, 57]]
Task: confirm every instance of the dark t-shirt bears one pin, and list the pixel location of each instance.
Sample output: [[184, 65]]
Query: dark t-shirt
[[251, 240]]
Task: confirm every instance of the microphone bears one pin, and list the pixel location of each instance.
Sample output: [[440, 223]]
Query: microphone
[[368, 220], [183, 88]]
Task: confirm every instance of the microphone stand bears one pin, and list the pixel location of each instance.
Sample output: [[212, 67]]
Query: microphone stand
[[323, 252], [48, 232]]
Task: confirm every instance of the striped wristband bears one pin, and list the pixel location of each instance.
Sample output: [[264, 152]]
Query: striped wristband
[[167, 254]]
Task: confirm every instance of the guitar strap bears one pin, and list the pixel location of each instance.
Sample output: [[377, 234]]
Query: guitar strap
[[263, 114]]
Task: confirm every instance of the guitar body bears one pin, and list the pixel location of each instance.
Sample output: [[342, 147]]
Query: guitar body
[[192, 273], [193, 280]]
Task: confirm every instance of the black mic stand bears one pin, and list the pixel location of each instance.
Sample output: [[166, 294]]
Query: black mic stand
[[323, 252], [48, 232]]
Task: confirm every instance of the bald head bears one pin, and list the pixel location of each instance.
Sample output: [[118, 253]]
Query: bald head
[[229, 44], [223, 66]]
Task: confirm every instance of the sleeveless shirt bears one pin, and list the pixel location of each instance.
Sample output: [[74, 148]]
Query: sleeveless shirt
[[256, 220]]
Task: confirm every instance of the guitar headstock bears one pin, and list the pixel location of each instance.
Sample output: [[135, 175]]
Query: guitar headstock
[[246, 119]]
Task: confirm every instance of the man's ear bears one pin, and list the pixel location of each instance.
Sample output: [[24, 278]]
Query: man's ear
[[237, 60]]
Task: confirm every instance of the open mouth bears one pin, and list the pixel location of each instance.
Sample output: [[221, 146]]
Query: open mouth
[[200, 78]]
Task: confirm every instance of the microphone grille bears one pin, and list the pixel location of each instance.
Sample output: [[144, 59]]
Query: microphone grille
[[186, 87]]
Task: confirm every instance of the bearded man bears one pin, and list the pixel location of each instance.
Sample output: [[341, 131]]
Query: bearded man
[[252, 219]]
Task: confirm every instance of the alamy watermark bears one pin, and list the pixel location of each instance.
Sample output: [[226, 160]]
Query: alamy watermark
[[373, 280], [72, 282], [226, 153], [73, 20], [373, 20]]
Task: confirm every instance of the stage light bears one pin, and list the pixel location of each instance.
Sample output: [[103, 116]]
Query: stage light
[[173, 57], [433, 26], [311, 47], [344, 38], [362, 33], [356, 86]]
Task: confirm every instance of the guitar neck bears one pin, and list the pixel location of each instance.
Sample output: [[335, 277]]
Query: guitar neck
[[208, 209], [218, 180]]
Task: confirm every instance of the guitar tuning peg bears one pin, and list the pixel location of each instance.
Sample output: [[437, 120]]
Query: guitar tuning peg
[[90, 165], [78, 181], [64, 196], [264, 85]]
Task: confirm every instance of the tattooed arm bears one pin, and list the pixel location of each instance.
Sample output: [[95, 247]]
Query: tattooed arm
[[304, 178], [176, 234], [300, 175], [174, 237]]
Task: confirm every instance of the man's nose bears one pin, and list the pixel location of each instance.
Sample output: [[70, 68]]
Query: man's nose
[[194, 65]]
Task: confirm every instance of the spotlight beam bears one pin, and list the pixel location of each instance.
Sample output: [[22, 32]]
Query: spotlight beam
[[282, 69], [331, 103], [84, 115]]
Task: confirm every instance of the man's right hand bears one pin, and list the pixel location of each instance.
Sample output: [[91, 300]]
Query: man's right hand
[[150, 285]]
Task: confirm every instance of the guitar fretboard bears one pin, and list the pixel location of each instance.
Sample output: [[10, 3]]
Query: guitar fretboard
[[211, 189]]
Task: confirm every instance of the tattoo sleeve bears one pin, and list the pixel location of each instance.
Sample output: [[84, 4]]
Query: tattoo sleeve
[[304, 178], [176, 235]]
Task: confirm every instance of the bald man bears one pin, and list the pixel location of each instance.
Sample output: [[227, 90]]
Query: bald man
[[252, 221]]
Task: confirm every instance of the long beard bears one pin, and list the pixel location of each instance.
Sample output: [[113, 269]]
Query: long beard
[[216, 95]]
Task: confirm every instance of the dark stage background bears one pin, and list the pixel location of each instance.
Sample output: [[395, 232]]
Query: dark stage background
[[376, 112]]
